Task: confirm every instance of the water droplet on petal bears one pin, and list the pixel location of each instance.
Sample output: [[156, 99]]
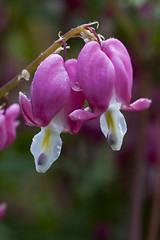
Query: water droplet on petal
[[75, 86]]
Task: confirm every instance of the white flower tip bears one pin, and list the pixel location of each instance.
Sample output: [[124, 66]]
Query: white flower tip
[[41, 163], [113, 126], [115, 145], [44, 161], [41, 159], [46, 148]]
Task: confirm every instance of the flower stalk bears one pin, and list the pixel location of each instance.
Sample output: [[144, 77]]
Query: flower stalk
[[75, 32]]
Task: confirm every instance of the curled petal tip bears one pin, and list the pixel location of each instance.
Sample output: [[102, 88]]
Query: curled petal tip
[[26, 109], [82, 115], [139, 105]]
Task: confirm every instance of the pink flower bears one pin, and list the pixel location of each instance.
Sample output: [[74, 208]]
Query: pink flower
[[52, 100], [105, 76], [8, 125], [2, 210]]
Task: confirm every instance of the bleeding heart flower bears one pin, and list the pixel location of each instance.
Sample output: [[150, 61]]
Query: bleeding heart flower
[[52, 100], [8, 124], [105, 76]]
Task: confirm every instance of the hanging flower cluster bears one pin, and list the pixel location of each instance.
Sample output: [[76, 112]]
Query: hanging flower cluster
[[105, 75], [102, 75], [52, 100]]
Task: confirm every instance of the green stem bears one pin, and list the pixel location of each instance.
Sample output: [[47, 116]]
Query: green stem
[[75, 32]]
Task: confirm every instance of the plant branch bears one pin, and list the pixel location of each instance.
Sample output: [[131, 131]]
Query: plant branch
[[80, 31]]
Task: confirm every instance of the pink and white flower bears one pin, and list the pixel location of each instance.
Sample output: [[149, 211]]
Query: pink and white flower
[[105, 75], [52, 100], [8, 124]]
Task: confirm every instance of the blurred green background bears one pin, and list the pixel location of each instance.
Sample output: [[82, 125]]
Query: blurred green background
[[90, 192]]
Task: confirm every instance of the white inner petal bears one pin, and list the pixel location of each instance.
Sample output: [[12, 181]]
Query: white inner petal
[[113, 126], [46, 145], [103, 125], [46, 148]]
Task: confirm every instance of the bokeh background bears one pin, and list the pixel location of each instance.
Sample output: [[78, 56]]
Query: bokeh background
[[90, 192]]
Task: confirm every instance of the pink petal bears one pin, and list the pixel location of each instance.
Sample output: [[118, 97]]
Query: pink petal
[[82, 115], [75, 129], [75, 100], [3, 134], [96, 76], [120, 58], [11, 114], [50, 88], [70, 66], [26, 109], [13, 111], [1, 111], [139, 105]]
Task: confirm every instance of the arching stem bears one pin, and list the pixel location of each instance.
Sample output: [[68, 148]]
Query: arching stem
[[95, 34], [75, 32]]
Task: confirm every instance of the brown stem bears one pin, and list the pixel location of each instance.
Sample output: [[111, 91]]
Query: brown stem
[[76, 32]]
